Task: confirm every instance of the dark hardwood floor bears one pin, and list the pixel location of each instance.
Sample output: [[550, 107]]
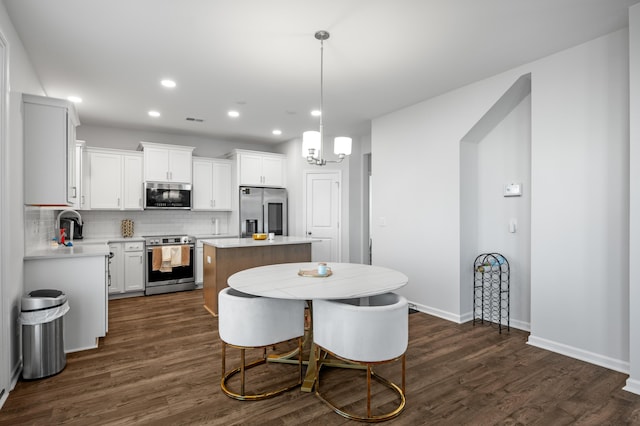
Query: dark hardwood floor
[[160, 364]]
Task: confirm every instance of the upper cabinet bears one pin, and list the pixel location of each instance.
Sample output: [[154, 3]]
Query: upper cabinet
[[132, 193], [113, 178], [211, 184], [49, 127], [256, 168], [80, 202], [166, 163]]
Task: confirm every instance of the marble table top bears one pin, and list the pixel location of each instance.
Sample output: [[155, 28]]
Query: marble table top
[[347, 280]]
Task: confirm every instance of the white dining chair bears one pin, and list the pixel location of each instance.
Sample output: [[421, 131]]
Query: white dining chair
[[251, 322], [368, 332]]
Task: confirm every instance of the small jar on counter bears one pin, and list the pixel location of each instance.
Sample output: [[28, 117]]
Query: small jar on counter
[[322, 268]]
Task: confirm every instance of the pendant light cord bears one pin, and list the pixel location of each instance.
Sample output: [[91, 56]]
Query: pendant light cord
[[321, 97]]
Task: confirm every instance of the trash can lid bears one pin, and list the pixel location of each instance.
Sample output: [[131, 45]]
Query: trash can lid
[[43, 299]]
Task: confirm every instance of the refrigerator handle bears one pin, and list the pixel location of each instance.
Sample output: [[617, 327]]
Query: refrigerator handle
[[265, 218]]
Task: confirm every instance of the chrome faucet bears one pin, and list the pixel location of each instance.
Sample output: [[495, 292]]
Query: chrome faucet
[[57, 229]]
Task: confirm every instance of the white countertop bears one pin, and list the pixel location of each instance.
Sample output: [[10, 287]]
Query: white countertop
[[87, 241], [210, 236], [250, 242], [95, 247], [83, 250], [348, 280]]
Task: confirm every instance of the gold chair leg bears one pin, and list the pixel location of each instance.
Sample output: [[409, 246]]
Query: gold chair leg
[[400, 392], [242, 362], [242, 396], [404, 363], [300, 360], [224, 357], [368, 390]]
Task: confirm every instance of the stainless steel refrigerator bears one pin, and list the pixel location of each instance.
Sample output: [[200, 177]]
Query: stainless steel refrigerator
[[263, 210]]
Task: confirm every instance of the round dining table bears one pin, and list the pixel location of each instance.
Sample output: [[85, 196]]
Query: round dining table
[[301, 281]]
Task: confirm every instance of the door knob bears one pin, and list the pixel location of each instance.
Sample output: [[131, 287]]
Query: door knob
[[308, 233]]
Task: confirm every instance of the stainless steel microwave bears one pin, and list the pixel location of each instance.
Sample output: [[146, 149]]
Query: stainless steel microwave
[[161, 195]]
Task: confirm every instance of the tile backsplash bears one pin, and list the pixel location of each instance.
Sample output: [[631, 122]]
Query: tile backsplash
[[40, 223], [38, 226]]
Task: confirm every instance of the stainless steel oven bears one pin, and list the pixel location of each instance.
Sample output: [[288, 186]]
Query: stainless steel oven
[[169, 264]]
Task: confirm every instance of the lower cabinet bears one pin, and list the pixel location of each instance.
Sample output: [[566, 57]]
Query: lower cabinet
[[87, 319], [127, 268]]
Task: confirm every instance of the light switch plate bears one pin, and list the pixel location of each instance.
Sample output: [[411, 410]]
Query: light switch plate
[[513, 190]]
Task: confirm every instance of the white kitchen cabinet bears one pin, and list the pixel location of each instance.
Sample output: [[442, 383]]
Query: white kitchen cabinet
[[133, 266], [211, 184], [166, 163], [256, 168], [116, 269], [49, 130], [114, 179], [82, 279], [80, 202], [73, 190], [106, 180], [132, 181], [127, 267]]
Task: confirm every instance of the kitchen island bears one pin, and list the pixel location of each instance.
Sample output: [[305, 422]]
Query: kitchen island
[[224, 257]]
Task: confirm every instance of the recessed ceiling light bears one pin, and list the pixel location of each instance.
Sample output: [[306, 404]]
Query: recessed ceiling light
[[233, 114], [154, 114], [168, 83], [75, 99], [316, 113], [277, 132]]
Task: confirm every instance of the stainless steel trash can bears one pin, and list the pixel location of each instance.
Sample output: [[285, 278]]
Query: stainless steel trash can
[[42, 317]]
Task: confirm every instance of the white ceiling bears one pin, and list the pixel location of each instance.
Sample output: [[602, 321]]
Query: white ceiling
[[260, 57]]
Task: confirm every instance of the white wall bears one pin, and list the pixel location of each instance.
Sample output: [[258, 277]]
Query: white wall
[[292, 150], [416, 193], [580, 207], [633, 383], [359, 197], [579, 202], [497, 151], [504, 156], [22, 78]]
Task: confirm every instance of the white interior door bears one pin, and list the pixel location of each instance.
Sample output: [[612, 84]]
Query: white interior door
[[322, 214]]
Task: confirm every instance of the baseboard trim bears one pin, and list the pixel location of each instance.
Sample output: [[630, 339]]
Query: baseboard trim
[[436, 312], [15, 375], [581, 354], [461, 319], [632, 386]]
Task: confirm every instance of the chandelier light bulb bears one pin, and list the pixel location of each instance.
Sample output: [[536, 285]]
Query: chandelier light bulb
[[342, 146]]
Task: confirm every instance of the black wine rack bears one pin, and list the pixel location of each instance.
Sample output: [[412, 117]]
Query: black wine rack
[[491, 290]]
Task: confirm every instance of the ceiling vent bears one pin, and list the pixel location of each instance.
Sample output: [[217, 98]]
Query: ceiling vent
[[196, 120]]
